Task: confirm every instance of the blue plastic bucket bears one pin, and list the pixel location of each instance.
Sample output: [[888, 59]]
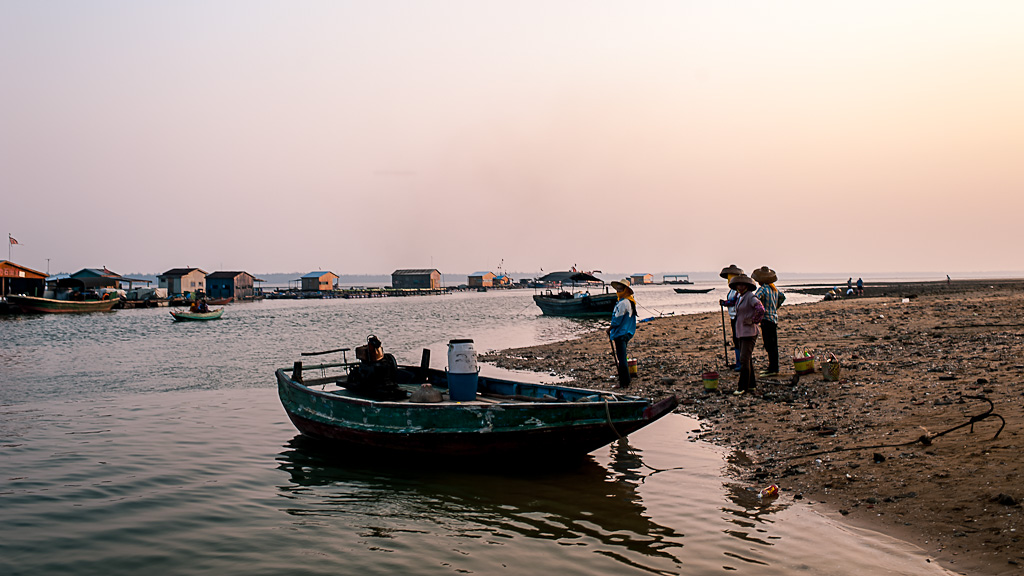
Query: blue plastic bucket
[[462, 387]]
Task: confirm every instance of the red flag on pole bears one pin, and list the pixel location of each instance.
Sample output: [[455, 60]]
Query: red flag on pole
[[13, 241]]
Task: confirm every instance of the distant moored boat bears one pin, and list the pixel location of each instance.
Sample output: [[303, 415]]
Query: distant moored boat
[[52, 306], [693, 290], [578, 303]]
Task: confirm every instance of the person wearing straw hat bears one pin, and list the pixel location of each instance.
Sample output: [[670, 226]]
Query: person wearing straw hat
[[749, 312], [623, 327], [729, 272], [771, 298]]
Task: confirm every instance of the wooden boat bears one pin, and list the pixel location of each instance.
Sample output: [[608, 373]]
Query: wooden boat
[[573, 302], [52, 306], [220, 301], [693, 290], [567, 304], [184, 316], [508, 420]]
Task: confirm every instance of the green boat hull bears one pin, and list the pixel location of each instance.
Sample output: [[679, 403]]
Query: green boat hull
[[510, 420]]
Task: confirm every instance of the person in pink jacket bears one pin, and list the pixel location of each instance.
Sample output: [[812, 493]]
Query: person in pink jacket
[[749, 312]]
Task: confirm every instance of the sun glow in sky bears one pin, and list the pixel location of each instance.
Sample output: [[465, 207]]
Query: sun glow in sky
[[361, 137]]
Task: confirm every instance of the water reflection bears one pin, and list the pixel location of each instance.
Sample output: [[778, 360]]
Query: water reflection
[[587, 505], [751, 516]]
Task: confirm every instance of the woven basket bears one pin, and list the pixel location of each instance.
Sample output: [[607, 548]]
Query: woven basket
[[803, 362], [830, 367]]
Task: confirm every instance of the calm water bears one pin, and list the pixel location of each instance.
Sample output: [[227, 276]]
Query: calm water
[[131, 443]]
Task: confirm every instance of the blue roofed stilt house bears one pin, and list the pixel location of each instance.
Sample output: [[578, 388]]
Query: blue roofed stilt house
[[319, 281], [230, 284], [480, 279]]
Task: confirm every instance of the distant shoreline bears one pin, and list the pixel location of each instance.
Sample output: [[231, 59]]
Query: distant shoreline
[[910, 289]]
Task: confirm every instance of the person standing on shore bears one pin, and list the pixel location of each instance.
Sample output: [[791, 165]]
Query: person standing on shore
[[623, 327], [771, 298], [729, 272], [749, 313], [860, 286]]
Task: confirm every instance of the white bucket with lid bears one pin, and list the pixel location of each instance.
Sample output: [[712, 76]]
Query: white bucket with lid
[[462, 357]]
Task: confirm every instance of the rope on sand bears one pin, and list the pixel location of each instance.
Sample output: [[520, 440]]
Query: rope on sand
[[653, 311], [924, 439]]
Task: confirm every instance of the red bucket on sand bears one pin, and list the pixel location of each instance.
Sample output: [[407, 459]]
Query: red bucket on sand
[[710, 380]]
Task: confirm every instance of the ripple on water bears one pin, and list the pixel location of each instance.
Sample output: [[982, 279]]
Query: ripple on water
[[169, 452]]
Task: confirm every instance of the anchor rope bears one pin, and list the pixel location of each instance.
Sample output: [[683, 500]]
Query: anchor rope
[[608, 414]]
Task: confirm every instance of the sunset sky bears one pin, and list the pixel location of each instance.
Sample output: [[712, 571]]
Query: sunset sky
[[859, 138]]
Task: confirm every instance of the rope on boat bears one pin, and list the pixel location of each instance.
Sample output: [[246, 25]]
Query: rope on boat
[[608, 413], [924, 439]]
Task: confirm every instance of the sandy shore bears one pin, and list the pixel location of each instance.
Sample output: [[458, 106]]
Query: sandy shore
[[876, 445]]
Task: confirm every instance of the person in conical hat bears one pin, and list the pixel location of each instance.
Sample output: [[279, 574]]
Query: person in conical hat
[[771, 298], [749, 312], [729, 272], [622, 328]]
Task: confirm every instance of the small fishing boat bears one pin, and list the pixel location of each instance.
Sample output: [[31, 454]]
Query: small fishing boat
[[692, 290], [575, 304], [573, 298], [54, 306], [220, 301], [505, 421], [185, 316]]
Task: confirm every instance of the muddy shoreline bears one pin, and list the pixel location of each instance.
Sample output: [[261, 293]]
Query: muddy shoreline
[[905, 442]]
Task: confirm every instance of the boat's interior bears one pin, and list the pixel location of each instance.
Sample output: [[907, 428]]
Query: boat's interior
[[425, 385]]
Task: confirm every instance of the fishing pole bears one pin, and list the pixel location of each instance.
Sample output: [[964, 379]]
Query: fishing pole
[[725, 340]]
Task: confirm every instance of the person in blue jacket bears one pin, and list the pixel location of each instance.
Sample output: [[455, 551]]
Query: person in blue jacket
[[623, 327]]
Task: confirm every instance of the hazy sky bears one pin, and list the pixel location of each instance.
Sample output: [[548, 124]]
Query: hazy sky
[[362, 137]]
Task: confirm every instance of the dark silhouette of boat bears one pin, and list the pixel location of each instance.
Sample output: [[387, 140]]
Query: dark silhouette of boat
[[693, 290], [569, 295]]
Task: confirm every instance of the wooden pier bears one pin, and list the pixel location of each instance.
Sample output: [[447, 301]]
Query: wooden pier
[[294, 294], [390, 292]]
